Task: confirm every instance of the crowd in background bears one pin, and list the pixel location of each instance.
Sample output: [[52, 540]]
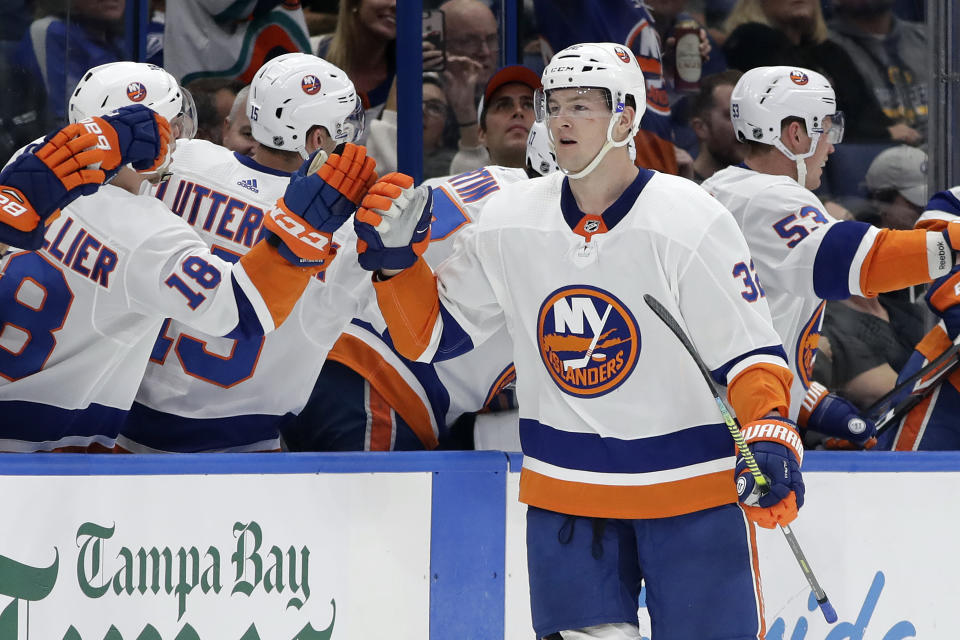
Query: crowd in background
[[873, 51]]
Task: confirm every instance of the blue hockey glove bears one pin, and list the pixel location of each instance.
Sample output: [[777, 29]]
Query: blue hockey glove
[[837, 418], [777, 448], [943, 298], [316, 204], [136, 135], [45, 178], [393, 225]]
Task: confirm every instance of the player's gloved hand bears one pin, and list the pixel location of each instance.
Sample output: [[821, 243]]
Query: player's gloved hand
[[316, 204], [45, 178], [943, 298], [134, 135], [393, 225], [837, 418], [776, 445]]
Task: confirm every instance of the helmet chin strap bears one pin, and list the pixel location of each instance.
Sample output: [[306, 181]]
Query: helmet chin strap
[[607, 145], [799, 158]]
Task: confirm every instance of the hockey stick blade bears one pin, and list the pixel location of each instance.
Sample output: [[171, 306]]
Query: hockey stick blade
[[579, 363], [829, 614]]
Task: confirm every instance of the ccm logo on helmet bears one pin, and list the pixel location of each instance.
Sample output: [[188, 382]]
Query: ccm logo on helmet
[[136, 91], [310, 84], [799, 77], [622, 54], [589, 341]]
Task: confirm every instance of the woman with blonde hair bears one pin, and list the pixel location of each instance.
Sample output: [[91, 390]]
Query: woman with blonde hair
[[364, 46]]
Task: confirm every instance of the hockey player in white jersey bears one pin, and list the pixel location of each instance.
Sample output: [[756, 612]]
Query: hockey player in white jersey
[[933, 424], [71, 163], [206, 393], [370, 398], [619, 477], [803, 256], [79, 317]]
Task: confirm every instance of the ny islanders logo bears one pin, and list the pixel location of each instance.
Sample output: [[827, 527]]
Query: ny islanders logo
[[589, 341], [136, 91], [310, 84], [807, 343], [799, 77], [622, 54]]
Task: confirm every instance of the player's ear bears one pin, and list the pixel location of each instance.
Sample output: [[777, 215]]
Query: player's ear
[[319, 138], [699, 126], [793, 135]]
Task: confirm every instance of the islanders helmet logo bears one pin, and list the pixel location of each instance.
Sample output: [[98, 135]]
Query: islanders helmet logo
[[310, 84], [799, 77], [589, 341], [622, 54], [807, 346], [136, 91]]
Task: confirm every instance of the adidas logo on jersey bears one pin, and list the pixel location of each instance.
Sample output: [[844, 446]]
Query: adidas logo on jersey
[[249, 184]]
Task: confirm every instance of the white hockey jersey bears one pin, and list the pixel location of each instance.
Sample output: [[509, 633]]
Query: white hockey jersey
[[79, 317], [803, 256], [429, 398], [204, 393], [615, 418], [229, 38]]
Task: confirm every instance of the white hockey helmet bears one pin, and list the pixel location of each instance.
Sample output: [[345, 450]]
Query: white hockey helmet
[[295, 91], [765, 96], [118, 84], [540, 154], [603, 65]]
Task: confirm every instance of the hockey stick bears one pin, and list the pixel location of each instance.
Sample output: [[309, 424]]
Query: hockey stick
[[893, 416], [874, 410], [734, 427], [579, 363]]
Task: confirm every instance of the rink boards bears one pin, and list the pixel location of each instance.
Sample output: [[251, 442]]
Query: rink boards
[[412, 546]]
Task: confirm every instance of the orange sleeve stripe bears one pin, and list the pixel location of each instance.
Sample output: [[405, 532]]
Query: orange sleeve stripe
[[896, 260], [359, 356], [279, 283], [627, 502], [932, 224], [410, 305], [758, 390]]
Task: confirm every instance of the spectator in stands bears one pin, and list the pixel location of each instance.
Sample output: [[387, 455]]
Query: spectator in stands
[[765, 33], [436, 115], [667, 14], [871, 339], [710, 121], [364, 45], [471, 31], [236, 132], [891, 54], [505, 115], [215, 39], [897, 183], [60, 50]]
